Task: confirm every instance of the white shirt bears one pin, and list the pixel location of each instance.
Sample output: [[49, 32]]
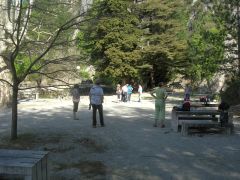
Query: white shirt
[[125, 88], [75, 95], [96, 95], [140, 89]]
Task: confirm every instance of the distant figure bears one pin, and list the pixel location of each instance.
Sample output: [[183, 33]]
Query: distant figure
[[118, 92], [140, 90], [96, 97], [129, 92], [187, 93], [160, 95], [186, 106], [223, 108], [124, 92], [75, 92]]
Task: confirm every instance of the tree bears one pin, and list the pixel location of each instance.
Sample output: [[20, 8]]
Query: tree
[[164, 41], [228, 13], [205, 45], [36, 29], [112, 39]]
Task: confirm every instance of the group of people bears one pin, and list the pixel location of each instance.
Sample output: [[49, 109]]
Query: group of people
[[96, 98], [124, 92]]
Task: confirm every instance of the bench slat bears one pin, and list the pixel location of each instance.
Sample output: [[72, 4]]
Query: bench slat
[[197, 118], [27, 163]]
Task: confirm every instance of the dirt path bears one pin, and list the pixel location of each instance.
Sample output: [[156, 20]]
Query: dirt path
[[128, 148]]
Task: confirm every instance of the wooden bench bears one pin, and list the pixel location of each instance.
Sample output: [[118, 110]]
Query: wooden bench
[[178, 117], [228, 128], [32, 165], [204, 106]]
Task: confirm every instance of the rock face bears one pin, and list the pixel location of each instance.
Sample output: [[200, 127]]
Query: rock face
[[5, 93]]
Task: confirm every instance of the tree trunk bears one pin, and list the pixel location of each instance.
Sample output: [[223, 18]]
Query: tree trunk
[[14, 111], [238, 29]]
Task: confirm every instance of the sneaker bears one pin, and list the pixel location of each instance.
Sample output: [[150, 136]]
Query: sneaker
[[102, 125], [162, 126], [94, 126]]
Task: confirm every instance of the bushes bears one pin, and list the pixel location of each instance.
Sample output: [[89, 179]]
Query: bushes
[[232, 93]]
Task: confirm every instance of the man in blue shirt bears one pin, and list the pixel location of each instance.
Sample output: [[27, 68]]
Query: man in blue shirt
[[96, 97]]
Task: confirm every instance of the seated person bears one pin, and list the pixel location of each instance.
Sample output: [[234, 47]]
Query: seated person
[[223, 108], [185, 106]]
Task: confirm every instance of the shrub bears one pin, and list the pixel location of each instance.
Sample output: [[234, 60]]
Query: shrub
[[232, 93]]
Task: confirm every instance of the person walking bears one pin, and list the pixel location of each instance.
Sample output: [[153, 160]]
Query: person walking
[[129, 92], [75, 92], [140, 90], [125, 92], [118, 92], [160, 95], [96, 98]]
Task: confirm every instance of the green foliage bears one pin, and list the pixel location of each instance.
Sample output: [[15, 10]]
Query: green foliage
[[205, 46], [44, 21], [112, 38], [226, 14], [232, 94], [23, 62], [125, 47], [164, 45]]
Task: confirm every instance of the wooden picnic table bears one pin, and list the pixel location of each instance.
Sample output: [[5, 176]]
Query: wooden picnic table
[[203, 115], [198, 118], [204, 105], [32, 165]]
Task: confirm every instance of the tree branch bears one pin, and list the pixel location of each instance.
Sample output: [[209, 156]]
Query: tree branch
[[5, 81]]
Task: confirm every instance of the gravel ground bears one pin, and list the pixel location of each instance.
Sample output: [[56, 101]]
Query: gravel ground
[[128, 148]]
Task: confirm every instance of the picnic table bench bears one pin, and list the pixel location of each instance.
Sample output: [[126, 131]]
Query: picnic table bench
[[32, 165], [197, 118]]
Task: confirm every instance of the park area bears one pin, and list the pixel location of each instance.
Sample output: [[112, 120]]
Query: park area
[[53, 52], [128, 148]]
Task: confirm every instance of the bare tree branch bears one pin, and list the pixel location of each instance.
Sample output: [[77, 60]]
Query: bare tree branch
[[3, 68], [5, 81], [60, 30]]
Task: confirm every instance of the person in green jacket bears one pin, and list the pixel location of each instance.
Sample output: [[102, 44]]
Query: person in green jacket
[[160, 95]]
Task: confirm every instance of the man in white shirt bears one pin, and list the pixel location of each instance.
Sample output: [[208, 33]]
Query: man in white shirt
[[125, 92], [140, 90], [96, 97]]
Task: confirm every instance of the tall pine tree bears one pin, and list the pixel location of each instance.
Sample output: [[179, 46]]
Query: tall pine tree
[[112, 39], [164, 41]]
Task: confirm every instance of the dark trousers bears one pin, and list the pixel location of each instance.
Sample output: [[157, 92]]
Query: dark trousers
[[100, 111], [75, 106], [125, 97]]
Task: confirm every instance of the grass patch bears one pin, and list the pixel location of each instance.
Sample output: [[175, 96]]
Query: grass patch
[[88, 169], [92, 145], [29, 141]]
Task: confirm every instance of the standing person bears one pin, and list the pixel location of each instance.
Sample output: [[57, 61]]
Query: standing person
[[140, 90], [125, 92], [129, 92], [187, 92], [75, 92], [118, 92], [96, 97], [160, 95]]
